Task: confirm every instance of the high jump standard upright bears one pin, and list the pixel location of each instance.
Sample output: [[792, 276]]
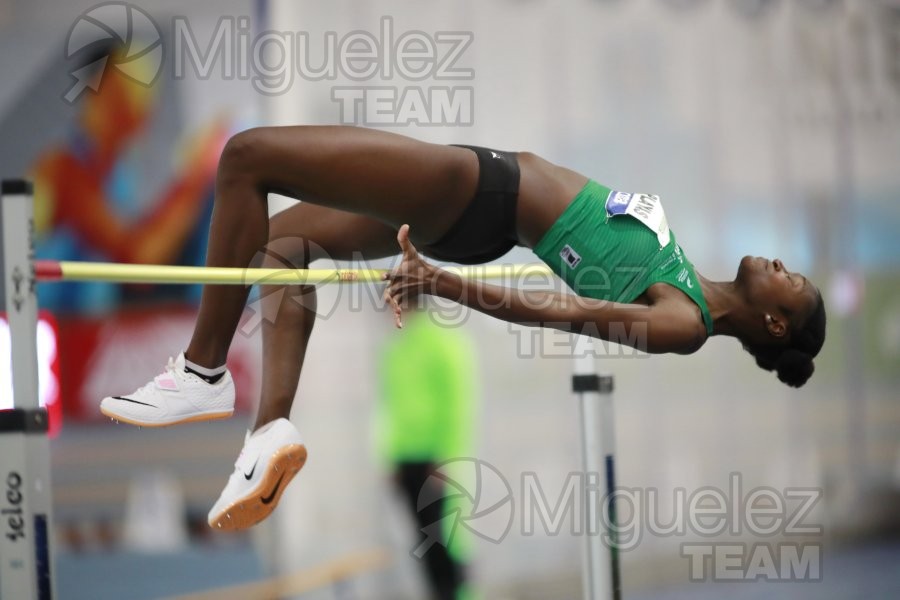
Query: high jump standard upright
[[25, 503]]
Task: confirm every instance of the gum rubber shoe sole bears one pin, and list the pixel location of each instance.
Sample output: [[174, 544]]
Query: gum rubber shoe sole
[[262, 500], [210, 416]]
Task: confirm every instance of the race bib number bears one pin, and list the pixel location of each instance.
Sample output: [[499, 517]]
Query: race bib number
[[645, 208]]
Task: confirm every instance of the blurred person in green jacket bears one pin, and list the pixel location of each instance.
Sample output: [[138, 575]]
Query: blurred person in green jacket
[[426, 418]]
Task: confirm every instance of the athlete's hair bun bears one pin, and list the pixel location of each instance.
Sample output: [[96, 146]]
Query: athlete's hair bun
[[794, 364], [794, 367]]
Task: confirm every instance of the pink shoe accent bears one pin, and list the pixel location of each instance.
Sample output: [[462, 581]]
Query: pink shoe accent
[[166, 382]]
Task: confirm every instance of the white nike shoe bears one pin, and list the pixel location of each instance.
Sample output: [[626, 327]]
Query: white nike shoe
[[174, 396], [272, 455]]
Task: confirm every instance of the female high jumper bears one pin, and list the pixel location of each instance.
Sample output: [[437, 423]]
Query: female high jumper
[[366, 191]]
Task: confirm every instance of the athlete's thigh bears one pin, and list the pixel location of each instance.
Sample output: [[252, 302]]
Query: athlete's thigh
[[306, 232], [389, 177]]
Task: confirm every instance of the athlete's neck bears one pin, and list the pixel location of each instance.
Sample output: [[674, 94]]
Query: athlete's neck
[[726, 306]]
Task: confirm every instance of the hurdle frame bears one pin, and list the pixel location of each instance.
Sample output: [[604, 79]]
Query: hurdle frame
[[26, 559]]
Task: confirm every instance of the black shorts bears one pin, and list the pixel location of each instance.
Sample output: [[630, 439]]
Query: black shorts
[[487, 228]]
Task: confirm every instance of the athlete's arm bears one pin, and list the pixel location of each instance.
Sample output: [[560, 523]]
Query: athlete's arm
[[655, 329]]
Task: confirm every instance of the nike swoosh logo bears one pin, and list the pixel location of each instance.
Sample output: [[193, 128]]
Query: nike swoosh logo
[[268, 499], [134, 401], [249, 476]]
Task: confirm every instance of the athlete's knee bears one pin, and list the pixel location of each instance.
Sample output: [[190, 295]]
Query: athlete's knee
[[242, 151], [240, 146], [288, 249]]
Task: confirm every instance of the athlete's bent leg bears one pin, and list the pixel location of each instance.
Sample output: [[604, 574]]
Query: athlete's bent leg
[[385, 176], [274, 452], [299, 235]]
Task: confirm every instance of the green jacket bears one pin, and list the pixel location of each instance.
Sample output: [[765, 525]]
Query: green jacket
[[427, 393]]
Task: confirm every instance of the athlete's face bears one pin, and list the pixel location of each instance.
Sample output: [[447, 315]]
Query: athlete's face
[[781, 297]]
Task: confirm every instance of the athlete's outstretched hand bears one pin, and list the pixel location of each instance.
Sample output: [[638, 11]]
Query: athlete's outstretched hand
[[411, 277]]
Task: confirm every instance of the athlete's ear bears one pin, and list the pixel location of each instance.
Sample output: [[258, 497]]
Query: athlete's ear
[[775, 326]]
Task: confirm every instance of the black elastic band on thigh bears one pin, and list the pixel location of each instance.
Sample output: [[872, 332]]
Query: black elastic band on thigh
[[487, 228]]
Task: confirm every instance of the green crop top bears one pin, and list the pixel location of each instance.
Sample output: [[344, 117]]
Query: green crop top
[[612, 246]]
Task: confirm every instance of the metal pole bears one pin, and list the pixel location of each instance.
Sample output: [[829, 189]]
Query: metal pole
[[601, 564], [25, 502]]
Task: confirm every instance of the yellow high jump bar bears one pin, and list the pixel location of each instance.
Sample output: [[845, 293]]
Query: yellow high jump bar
[[48, 270]]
